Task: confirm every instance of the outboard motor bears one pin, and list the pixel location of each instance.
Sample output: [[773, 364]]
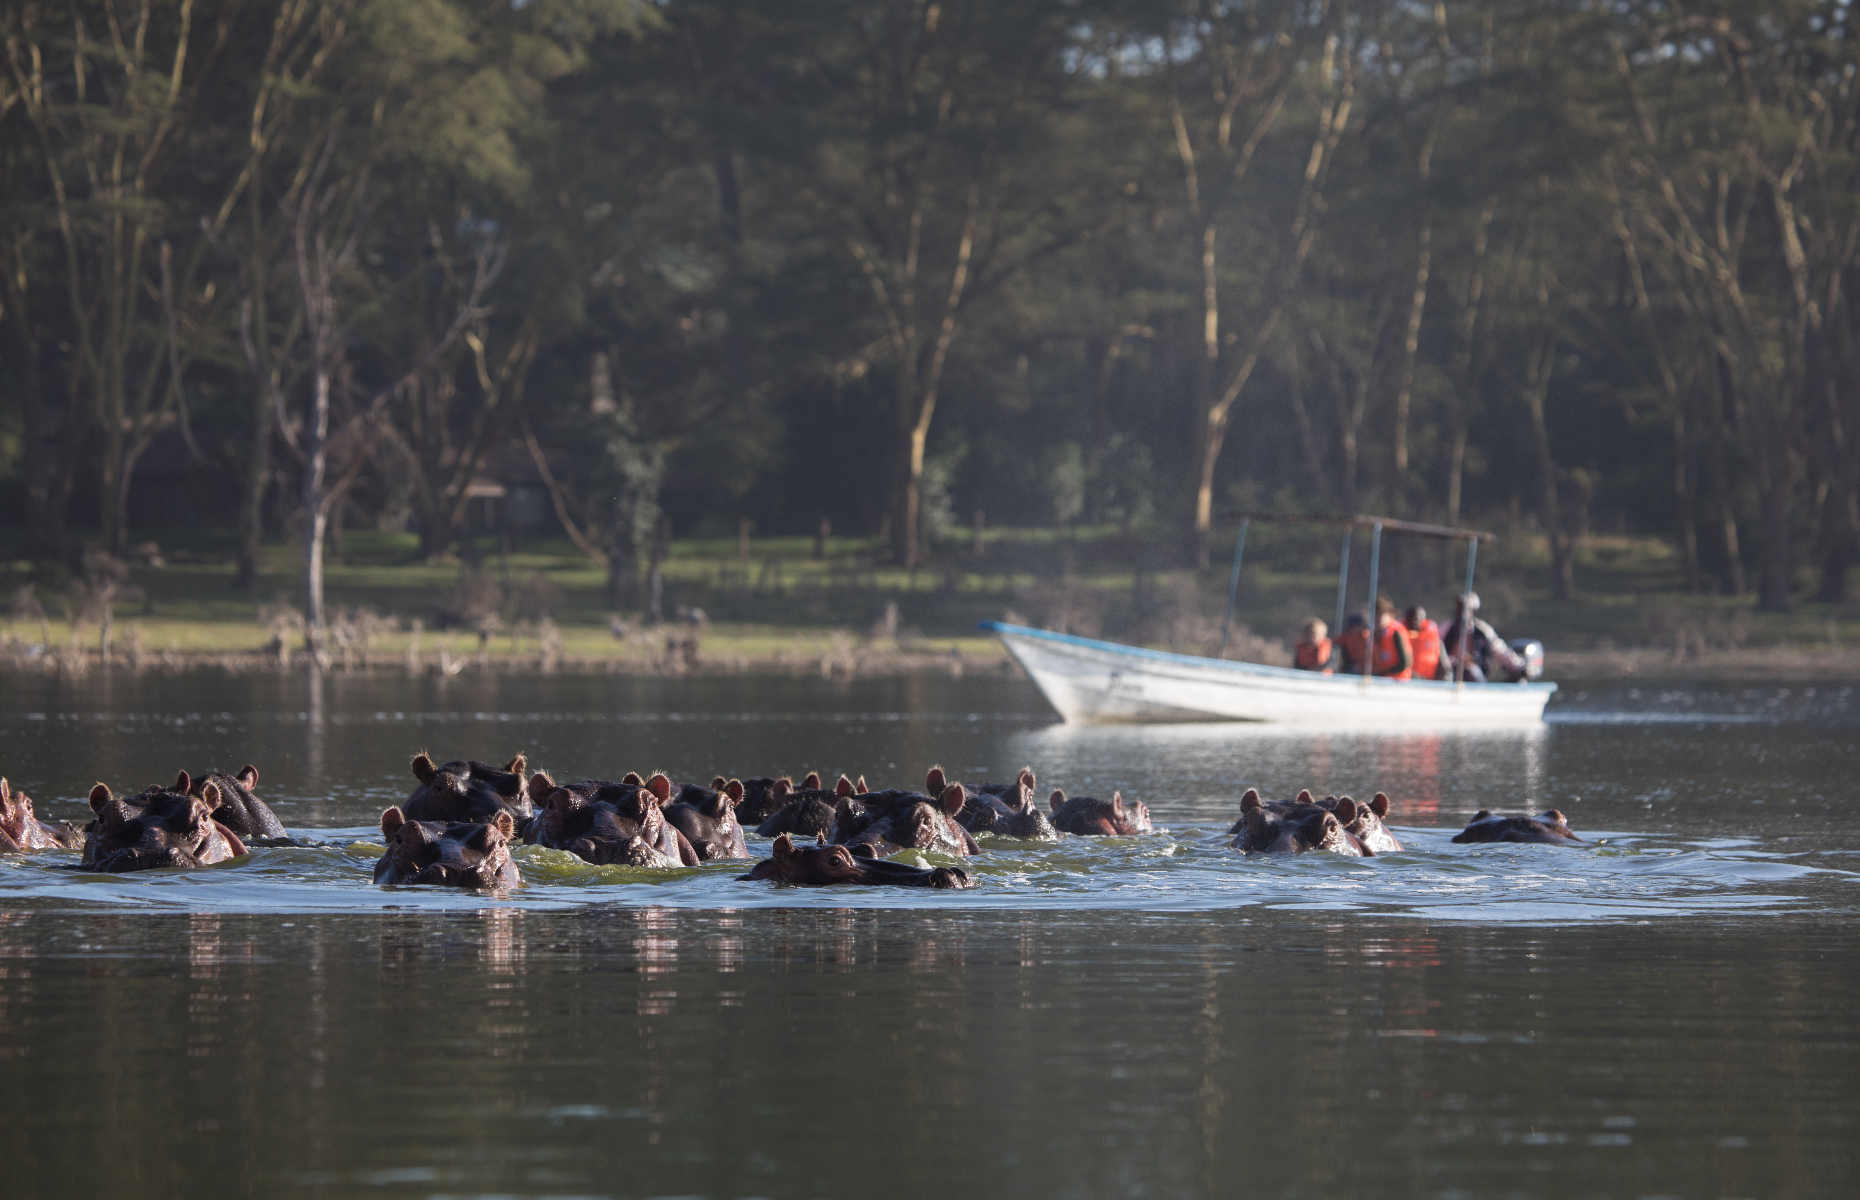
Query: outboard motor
[[1530, 655]]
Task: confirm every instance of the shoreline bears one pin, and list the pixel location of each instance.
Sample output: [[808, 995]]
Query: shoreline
[[843, 661]]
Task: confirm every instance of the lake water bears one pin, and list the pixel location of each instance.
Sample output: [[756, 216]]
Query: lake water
[[1668, 1012]]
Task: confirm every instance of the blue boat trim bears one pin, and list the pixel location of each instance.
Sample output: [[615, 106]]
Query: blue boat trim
[[1243, 668]]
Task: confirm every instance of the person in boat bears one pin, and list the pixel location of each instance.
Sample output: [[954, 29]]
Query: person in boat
[[1430, 661], [1353, 645], [1487, 656], [1315, 651], [1394, 653]]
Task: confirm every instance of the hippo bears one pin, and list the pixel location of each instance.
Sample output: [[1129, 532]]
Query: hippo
[[612, 823], [707, 819], [240, 810], [822, 864], [1115, 817], [1002, 809], [762, 796], [893, 820], [158, 827], [1367, 826], [467, 790], [1296, 826], [809, 812], [21, 829], [1548, 828], [470, 854]]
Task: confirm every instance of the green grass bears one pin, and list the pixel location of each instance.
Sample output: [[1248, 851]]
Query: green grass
[[783, 603]]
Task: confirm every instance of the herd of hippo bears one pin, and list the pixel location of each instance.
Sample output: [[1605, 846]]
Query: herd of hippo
[[457, 826]]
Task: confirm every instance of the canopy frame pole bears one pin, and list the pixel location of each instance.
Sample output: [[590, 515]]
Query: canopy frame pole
[[1466, 618], [1233, 586], [1343, 579], [1375, 572]]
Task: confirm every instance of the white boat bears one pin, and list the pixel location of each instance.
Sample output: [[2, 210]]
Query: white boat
[[1088, 680]]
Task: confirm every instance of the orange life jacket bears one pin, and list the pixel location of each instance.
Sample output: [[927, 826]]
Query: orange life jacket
[[1389, 640], [1426, 643], [1313, 656], [1355, 645]]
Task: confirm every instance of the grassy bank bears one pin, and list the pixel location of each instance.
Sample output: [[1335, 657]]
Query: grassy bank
[[785, 607]]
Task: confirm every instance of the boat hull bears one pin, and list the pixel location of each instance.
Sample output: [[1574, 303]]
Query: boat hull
[[1087, 680]]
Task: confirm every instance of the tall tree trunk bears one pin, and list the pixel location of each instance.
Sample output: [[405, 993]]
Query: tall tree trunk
[[1536, 391], [316, 510]]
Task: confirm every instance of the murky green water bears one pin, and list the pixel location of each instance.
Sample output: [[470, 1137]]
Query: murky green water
[[1667, 1013]]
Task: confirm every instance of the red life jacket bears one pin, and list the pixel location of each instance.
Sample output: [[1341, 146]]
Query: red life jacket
[[1389, 640], [1427, 649], [1355, 646], [1313, 656]]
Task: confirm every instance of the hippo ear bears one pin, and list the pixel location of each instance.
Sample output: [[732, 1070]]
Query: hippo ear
[[1345, 810], [1250, 800], [247, 776], [812, 782], [632, 777], [183, 783], [1025, 778], [105, 805], [1482, 814], [211, 796], [783, 847], [935, 781], [1303, 797], [660, 785], [504, 823], [1057, 800], [953, 798], [717, 782], [539, 786], [1023, 798], [844, 787], [1117, 803], [6, 791], [518, 765], [423, 768], [733, 788], [781, 789], [1379, 804], [392, 820], [859, 786]]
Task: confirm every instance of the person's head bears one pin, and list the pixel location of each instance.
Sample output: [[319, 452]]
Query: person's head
[[1354, 621], [1315, 631], [1417, 617], [1385, 610], [1467, 603]]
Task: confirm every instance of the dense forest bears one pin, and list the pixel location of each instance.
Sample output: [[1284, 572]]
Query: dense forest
[[906, 267]]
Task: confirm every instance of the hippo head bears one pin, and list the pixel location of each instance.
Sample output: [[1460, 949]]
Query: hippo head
[[160, 827], [1365, 822], [1024, 819], [1296, 827], [822, 864], [240, 808], [467, 790], [470, 854], [16, 817], [1011, 813], [609, 824], [1549, 827], [1115, 817]]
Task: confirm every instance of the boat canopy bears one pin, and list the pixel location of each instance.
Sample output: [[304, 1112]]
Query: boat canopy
[[1351, 522]]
